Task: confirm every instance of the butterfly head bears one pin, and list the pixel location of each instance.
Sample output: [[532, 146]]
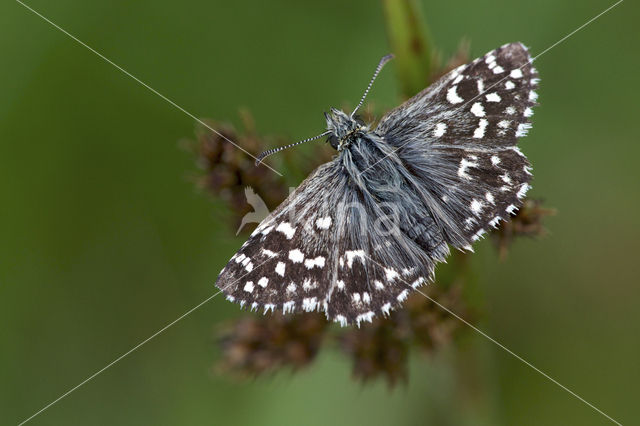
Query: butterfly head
[[342, 128]]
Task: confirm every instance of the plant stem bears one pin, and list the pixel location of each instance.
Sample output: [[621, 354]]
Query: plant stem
[[407, 32]]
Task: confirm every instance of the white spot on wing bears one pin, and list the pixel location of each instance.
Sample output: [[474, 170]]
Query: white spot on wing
[[288, 306], [403, 295], [417, 283], [476, 206], [489, 197], [248, 287], [493, 97], [296, 256], [439, 130], [495, 160], [286, 229], [407, 271], [318, 261], [262, 282], [452, 95], [523, 128], [509, 85], [269, 253], [386, 308], [468, 222], [523, 190], [478, 235], [308, 284], [280, 269], [479, 131], [352, 254], [364, 317], [341, 319], [324, 222], [517, 73], [477, 110], [309, 304], [391, 274], [464, 165]]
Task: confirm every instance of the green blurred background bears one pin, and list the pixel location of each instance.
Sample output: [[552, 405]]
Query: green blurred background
[[104, 240]]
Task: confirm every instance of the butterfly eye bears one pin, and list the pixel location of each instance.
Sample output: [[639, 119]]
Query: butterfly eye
[[333, 141], [358, 119]]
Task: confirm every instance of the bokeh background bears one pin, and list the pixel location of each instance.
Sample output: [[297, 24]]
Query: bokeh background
[[104, 240]]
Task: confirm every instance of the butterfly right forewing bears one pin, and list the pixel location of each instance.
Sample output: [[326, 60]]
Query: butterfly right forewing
[[458, 137]]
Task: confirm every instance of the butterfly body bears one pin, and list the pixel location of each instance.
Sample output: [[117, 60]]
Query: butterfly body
[[368, 227]]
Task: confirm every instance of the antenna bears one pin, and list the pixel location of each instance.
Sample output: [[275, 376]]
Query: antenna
[[268, 152], [383, 61]]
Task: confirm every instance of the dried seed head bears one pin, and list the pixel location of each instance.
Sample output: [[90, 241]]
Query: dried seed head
[[257, 344]]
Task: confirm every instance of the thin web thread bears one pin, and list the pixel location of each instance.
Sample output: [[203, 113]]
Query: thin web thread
[[124, 355], [503, 347], [145, 85]]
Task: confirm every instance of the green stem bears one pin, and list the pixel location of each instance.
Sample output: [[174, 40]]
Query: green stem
[[407, 32]]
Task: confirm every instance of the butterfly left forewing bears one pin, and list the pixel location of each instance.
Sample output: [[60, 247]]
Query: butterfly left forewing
[[284, 264], [321, 249]]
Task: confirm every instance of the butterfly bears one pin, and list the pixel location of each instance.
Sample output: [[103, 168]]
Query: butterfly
[[369, 226]]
